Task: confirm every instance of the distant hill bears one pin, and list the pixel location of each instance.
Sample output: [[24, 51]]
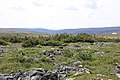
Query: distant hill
[[14, 30], [106, 30]]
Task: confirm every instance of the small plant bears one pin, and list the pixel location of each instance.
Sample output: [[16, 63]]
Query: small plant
[[2, 42], [85, 55], [45, 59], [27, 44], [19, 57], [51, 43], [68, 54]]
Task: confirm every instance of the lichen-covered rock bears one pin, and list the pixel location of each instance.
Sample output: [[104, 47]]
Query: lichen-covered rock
[[78, 64]]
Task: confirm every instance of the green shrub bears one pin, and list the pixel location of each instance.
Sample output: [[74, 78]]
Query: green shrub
[[30, 43], [68, 54], [51, 43], [69, 40], [45, 59], [27, 44], [19, 57], [85, 55], [116, 59], [2, 42]]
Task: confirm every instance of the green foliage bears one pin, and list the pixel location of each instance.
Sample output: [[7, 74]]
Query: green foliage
[[45, 59], [31, 40], [51, 43], [2, 42], [24, 59], [68, 54], [85, 55], [30, 43], [27, 44], [33, 57], [69, 39], [19, 57], [116, 59]]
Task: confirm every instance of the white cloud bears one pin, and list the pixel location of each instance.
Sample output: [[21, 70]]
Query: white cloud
[[72, 8], [92, 4], [59, 14], [18, 8]]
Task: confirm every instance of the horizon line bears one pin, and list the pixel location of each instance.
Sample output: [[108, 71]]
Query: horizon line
[[61, 29]]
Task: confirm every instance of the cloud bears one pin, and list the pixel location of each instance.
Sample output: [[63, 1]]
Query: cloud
[[50, 5], [59, 14], [91, 15], [73, 8], [37, 4], [18, 8], [92, 5]]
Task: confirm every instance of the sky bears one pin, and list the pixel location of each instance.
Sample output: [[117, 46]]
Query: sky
[[59, 14]]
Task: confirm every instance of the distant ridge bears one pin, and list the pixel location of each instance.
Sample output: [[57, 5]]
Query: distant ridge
[[13, 30], [106, 30]]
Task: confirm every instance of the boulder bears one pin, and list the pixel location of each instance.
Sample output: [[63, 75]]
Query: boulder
[[9, 77], [35, 78], [102, 75], [70, 78], [50, 76], [43, 51], [118, 74], [58, 52], [52, 57], [77, 64], [117, 69], [83, 70], [78, 73], [99, 53], [1, 77], [36, 72], [20, 75], [66, 69]]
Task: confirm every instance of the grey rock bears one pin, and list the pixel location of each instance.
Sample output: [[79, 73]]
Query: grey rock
[[78, 73], [70, 78], [36, 72], [35, 78], [3, 50], [117, 69], [51, 56], [118, 74], [102, 75], [20, 75], [58, 52], [99, 53], [83, 70], [78, 64], [9, 77], [1, 77], [50, 76], [43, 51], [66, 69]]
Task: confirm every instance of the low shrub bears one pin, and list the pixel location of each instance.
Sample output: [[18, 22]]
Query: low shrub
[[51, 43], [84, 55], [2, 42]]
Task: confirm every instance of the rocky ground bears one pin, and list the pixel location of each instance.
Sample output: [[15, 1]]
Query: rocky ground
[[58, 74], [66, 69]]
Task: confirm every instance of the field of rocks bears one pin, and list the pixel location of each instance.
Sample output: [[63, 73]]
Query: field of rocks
[[73, 60]]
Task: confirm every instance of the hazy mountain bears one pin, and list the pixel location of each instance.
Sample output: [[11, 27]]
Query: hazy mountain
[[105, 30], [14, 30]]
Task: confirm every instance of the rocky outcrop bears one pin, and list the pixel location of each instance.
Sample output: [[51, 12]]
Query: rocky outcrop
[[44, 74], [33, 74], [77, 64], [2, 50], [83, 70], [117, 69]]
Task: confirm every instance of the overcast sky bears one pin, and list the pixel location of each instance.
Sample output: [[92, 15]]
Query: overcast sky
[[59, 14]]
